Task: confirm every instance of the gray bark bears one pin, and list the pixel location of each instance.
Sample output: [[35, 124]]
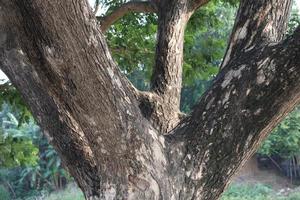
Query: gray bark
[[61, 65], [111, 137], [161, 105]]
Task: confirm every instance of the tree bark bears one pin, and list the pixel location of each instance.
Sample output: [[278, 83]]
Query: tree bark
[[162, 104], [62, 67], [256, 88], [111, 136]]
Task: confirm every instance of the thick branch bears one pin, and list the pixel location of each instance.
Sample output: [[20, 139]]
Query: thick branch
[[167, 74], [265, 23], [66, 75], [256, 88], [196, 4], [132, 6], [61, 130]]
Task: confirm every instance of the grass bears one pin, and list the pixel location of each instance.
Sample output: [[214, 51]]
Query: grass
[[72, 192], [256, 192], [4, 194], [234, 192]]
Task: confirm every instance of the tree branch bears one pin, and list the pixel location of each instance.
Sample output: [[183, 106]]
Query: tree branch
[[257, 86], [79, 97], [166, 80], [268, 26], [132, 6], [196, 4]]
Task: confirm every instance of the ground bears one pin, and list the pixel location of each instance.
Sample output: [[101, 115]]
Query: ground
[[251, 174], [251, 183]]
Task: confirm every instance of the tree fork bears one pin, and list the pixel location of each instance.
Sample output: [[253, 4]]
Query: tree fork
[[166, 80], [91, 113], [62, 67], [256, 88]]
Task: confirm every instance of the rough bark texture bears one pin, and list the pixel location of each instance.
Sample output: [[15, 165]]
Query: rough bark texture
[[163, 101], [257, 86], [111, 136], [62, 67]]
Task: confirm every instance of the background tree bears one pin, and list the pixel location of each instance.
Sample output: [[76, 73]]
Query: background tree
[[134, 144]]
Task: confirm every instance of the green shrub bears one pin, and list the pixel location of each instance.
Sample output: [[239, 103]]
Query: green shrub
[[285, 138], [27, 162], [72, 192], [4, 194], [294, 196], [248, 192], [16, 146], [256, 192]]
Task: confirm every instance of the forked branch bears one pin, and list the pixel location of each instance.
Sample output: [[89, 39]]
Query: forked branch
[[257, 86], [58, 68]]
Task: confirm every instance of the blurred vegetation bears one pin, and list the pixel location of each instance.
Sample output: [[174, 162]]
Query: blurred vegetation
[[16, 145], [257, 192], [285, 138], [235, 191], [28, 164], [294, 19], [72, 192], [132, 41]]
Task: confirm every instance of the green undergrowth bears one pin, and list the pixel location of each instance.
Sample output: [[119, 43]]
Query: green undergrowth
[[72, 192], [234, 192], [257, 192]]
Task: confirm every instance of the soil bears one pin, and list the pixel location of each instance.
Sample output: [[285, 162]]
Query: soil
[[250, 173]]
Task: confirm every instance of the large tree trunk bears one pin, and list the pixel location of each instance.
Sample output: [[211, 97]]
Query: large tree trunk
[[110, 136]]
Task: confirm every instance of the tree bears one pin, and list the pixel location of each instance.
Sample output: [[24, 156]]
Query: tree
[[121, 143]]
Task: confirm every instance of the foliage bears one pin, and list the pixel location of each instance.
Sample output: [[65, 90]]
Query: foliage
[[28, 162], [293, 196], [190, 94], [133, 45], [294, 19], [132, 40], [72, 192], [247, 192], [9, 95], [4, 194], [48, 173], [16, 147], [285, 138], [256, 192], [234, 192], [205, 41]]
